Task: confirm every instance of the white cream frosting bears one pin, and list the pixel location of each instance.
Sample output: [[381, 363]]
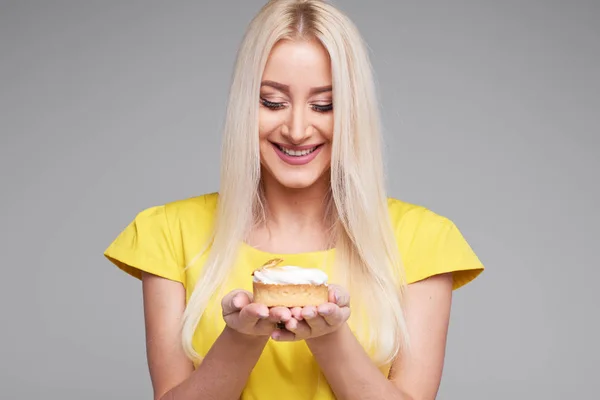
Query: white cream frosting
[[290, 275]]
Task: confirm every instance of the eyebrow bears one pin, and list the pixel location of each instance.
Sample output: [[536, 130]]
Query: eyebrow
[[286, 89]]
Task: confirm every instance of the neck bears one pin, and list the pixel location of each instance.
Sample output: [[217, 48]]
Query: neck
[[296, 209]]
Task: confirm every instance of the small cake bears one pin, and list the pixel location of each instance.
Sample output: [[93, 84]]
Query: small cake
[[289, 286]]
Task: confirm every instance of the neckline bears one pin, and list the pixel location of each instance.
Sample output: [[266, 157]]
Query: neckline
[[284, 255]]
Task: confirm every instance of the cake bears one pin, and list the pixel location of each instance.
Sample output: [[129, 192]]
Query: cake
[[289, 286]]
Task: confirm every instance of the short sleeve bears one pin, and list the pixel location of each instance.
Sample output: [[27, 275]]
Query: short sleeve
[[437, 247], [146, 245]]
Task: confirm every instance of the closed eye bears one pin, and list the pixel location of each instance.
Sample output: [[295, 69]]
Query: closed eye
[[278, 106], [271, 105], [322, 108]]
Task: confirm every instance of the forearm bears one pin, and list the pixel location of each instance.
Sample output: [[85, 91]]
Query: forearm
[[349, 370], [224, 371]]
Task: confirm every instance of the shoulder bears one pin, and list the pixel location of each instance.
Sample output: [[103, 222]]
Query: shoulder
[[197, 208], [408, 217], [194, 214], [431, 244], [188, 223], [159, 237], [204, 204]]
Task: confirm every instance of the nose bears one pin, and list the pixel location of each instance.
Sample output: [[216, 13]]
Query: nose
[[297, 128]]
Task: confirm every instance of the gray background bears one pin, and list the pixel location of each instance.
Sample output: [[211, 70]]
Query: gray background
[[491, 115]]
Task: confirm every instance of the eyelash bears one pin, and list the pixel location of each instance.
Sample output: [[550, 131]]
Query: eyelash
[[278, 106]]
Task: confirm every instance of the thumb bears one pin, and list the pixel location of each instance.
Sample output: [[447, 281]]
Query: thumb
[[235, 300], [339, 295]]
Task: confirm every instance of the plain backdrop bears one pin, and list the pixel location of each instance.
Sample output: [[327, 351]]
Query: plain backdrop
[[491, 113]]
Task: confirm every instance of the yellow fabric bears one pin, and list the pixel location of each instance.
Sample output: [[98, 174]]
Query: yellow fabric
[[163, 239]]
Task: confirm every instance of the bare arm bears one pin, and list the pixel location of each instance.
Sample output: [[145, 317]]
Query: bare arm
[[348, 369], [351, 373], [428, 316], [222, 373]]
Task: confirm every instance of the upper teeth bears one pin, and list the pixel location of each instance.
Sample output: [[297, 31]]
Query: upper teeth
[[297, 153]]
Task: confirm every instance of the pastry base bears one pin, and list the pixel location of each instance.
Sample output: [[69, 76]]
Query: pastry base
[[290, 295]]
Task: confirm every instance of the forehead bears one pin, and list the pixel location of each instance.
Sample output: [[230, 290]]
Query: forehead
[[299, 63]]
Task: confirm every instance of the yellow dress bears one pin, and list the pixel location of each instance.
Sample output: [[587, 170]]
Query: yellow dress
[[163, 239]]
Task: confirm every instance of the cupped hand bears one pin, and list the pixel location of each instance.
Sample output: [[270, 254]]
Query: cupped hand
[[311, 322], [246, 317]]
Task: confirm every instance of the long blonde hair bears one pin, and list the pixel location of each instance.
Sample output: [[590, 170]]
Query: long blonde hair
[[367, 258]]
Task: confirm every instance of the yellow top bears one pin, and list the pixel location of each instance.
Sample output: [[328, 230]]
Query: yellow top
[[162, 240]]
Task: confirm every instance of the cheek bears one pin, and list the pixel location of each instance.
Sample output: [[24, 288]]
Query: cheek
[[325, 127], [268, 122]]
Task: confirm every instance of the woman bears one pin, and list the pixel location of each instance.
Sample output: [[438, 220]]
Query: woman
[[302, 181]]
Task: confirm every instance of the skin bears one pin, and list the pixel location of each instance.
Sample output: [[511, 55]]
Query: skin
[[295, 197], [296, 112]]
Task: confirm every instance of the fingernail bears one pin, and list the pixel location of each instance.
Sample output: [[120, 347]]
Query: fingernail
[[336, 297], [276, 336], [309, 314], [263, 315], [325, 312], [236, 302]]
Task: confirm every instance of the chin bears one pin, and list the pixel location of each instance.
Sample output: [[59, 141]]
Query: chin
[[298, 180]]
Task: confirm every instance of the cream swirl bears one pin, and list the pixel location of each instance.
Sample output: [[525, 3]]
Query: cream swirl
[[290, 275]]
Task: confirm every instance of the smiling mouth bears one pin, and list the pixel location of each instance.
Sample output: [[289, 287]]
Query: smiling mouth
[[297, 153]]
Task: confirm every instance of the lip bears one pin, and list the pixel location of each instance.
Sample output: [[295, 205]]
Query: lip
[[298, 148], [293, 160]]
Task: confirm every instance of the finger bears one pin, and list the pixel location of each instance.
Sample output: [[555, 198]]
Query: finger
[[309, 312], [313, 319], [297, 313], [327, 309], [334, 315], [345, 313], [329, 312], [235, 300], [283, 336], [339, 295], [291, 325], [277, 314], [300, 328], [264, 327], [252, 313]]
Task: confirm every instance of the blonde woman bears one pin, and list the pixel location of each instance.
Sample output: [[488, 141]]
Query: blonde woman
[[301, 179]]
